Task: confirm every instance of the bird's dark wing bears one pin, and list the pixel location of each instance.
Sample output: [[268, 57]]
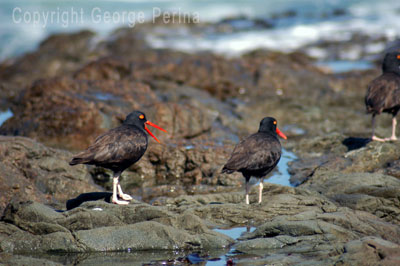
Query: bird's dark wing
[[383, 93], [115, 146], [254, 153]]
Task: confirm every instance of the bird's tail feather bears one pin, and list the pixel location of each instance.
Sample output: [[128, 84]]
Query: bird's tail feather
[[76, 160], [226, 170]]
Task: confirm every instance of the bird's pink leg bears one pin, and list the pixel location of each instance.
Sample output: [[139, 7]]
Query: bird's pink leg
[[260, 189], [373, 131], [247, 192], [114, 196], [123, 195], [378, 139], [394, 124]]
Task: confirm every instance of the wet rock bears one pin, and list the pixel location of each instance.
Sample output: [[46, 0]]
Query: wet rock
[[329, 183], [290, 221], [125, 42], [179, 169], [373, 156], [58, 54], [229, 209], [302, 169], [320, 235], [329, 154], [105, 258], [25, 260], [329, 144], [393, 169], [33, 217], [370, 251], [99, 226], [139, 236], [69, 113], [107, 68], [32, 171], [46, 112], [222, 78], [184, 120], [151, 235], [280, 259], [15, 240], [374, 193]]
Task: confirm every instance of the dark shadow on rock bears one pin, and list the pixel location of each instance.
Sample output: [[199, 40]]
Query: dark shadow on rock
[[73, 203], [353, 143]]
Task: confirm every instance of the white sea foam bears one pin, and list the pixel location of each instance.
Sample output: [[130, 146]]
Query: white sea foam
[[364, 17], [288, 38]]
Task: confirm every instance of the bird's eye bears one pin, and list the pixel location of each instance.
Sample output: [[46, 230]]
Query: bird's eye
[[274, 122], [141, 116]]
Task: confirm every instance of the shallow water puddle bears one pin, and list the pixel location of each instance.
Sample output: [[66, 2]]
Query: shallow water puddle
[[4, 115], [104, 96], [282, 176], [234, 233], [340, 66]]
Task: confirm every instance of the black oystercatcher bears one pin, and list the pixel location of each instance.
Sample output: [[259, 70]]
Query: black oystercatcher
[[383, 94], [118, 149], [257, 154]]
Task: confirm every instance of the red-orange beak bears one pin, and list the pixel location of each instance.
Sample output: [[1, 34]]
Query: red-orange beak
[[280, 134], [153, 125], [398, 56]]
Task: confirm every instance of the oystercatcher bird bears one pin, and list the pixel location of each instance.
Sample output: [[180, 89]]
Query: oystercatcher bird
[[383, 94], [257, 154], [118, 149]]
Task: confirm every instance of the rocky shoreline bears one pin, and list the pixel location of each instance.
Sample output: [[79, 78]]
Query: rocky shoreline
[[344, 210]]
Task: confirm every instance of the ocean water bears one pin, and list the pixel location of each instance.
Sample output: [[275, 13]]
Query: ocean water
[[4, 115], [296, 23]]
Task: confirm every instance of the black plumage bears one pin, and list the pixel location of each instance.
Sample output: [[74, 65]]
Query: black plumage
[[118, 148], [257, 154], [383, 93]]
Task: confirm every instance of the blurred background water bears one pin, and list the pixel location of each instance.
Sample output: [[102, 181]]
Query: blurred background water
[[295, 23]]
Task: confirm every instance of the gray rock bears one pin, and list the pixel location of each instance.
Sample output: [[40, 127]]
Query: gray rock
[[32, 171], [99, 226], [372, 192], [370, 251], [33, 217], [19, 260], [139, 236], [18, 241], [393, 169]]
